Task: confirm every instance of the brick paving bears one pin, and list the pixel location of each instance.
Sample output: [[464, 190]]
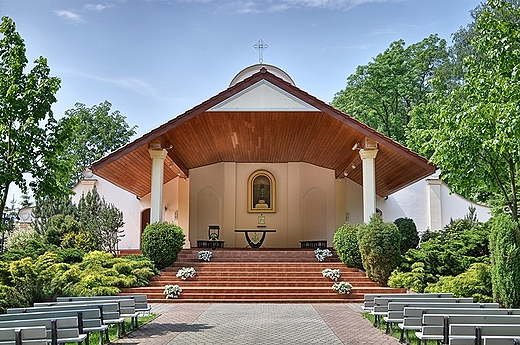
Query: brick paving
[[257, 323]]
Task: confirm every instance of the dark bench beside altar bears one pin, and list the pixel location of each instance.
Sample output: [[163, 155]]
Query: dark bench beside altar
[[213, 244], [313, 244]]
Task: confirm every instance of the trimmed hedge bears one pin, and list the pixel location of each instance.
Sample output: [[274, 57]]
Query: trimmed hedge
[[345, 243], [162, 243]]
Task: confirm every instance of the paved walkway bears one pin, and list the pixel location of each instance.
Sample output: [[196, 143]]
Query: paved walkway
[[260, 323]]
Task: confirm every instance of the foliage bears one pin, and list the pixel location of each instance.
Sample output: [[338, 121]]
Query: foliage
[[345, 243], [101, 219], [379, 244], [31, 141], [162, 243], [505, 261], [205, 255], [415, 280], [487, 100], [172, 291], [342, 287], [321, 254], [409, 234], [93, 224], [185, 273], [97, 132], [333, 274], [451, 251], [475, 282], [382, 93]]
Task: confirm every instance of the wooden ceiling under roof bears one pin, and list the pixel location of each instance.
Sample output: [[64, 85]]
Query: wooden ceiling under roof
[[324, 137]]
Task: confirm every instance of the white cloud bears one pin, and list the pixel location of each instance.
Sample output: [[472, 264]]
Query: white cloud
[[257, 6], [97, 7], [71, 16]]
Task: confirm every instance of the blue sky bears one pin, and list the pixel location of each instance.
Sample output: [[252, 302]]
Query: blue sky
[[155, 59]]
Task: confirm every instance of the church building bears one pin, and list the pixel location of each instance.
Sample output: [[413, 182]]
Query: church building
[[264, 158]]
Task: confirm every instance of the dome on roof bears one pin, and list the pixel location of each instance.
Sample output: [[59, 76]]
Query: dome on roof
[[249, 71]]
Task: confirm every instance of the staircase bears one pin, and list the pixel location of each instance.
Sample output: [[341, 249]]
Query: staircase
[[259, 275]]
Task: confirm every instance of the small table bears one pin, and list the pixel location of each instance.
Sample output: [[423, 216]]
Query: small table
[[248, 239]]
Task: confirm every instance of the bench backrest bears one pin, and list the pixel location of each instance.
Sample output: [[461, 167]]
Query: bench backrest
[[501, 340], [110, 310], [412, 316], [368, 301], [141, 300], [396, 310], [36, 335], [381, 304], [126, 306], [466, 330], [66, 327]]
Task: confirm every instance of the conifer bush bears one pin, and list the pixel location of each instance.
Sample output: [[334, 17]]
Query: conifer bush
[[162, 243], [380, 247], [409, 234], [345, 243], [505, 261]]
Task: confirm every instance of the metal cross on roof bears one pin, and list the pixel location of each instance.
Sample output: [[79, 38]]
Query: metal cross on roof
[[261, 46]]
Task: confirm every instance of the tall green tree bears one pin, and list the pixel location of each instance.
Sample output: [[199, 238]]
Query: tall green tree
[[476, 137], [31, 141], [98, 131], [382, 93]]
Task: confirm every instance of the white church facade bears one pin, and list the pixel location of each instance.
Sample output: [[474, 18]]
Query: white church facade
[[263, 154]]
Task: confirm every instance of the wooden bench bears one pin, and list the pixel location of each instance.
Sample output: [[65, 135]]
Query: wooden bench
[[413, 313], [110, 310], [368, 299], [90, 319], [467, 334], [437, 326], [313, 244], [213, 244], [501, 340], [58, 330], [140, 300], [381, 304], [36, 335]]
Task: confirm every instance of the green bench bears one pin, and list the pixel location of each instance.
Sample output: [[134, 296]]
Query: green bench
[[437, 326], [58, 330], [412, 313], [35, 335]]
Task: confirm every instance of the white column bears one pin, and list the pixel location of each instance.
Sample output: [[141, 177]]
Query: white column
[[156, 203], [434, 204], [368, 158]]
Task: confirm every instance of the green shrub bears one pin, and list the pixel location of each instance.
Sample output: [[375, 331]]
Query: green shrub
[[345, 243], [162, 243], [409, 234], [475, 282], [505, 261], [380, 247], [416, 280], [70, 255]]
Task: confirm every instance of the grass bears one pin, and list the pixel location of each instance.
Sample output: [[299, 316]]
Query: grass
[[397, 331], [112, 330]]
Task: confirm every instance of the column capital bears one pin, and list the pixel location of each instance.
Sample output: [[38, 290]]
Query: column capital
[[159, 154], [368, 153]]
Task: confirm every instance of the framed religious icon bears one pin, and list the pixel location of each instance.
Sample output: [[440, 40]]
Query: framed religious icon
[[261, 192]]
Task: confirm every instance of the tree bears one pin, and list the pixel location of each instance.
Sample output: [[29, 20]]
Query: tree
[[97, 132], [31, 141], [476, 140], [382, 93]]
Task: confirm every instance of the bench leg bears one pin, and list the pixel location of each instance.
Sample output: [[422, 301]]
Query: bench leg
[[401, 337], [106, 335], [100, 338], [407, 338]]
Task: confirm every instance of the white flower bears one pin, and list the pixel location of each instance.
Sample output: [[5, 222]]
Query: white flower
[[185, 273], [321, 254], [332, 274], [342, 287], [172, 291], [205, 255]]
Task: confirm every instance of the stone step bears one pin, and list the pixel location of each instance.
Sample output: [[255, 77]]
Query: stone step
[[259, 275]]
